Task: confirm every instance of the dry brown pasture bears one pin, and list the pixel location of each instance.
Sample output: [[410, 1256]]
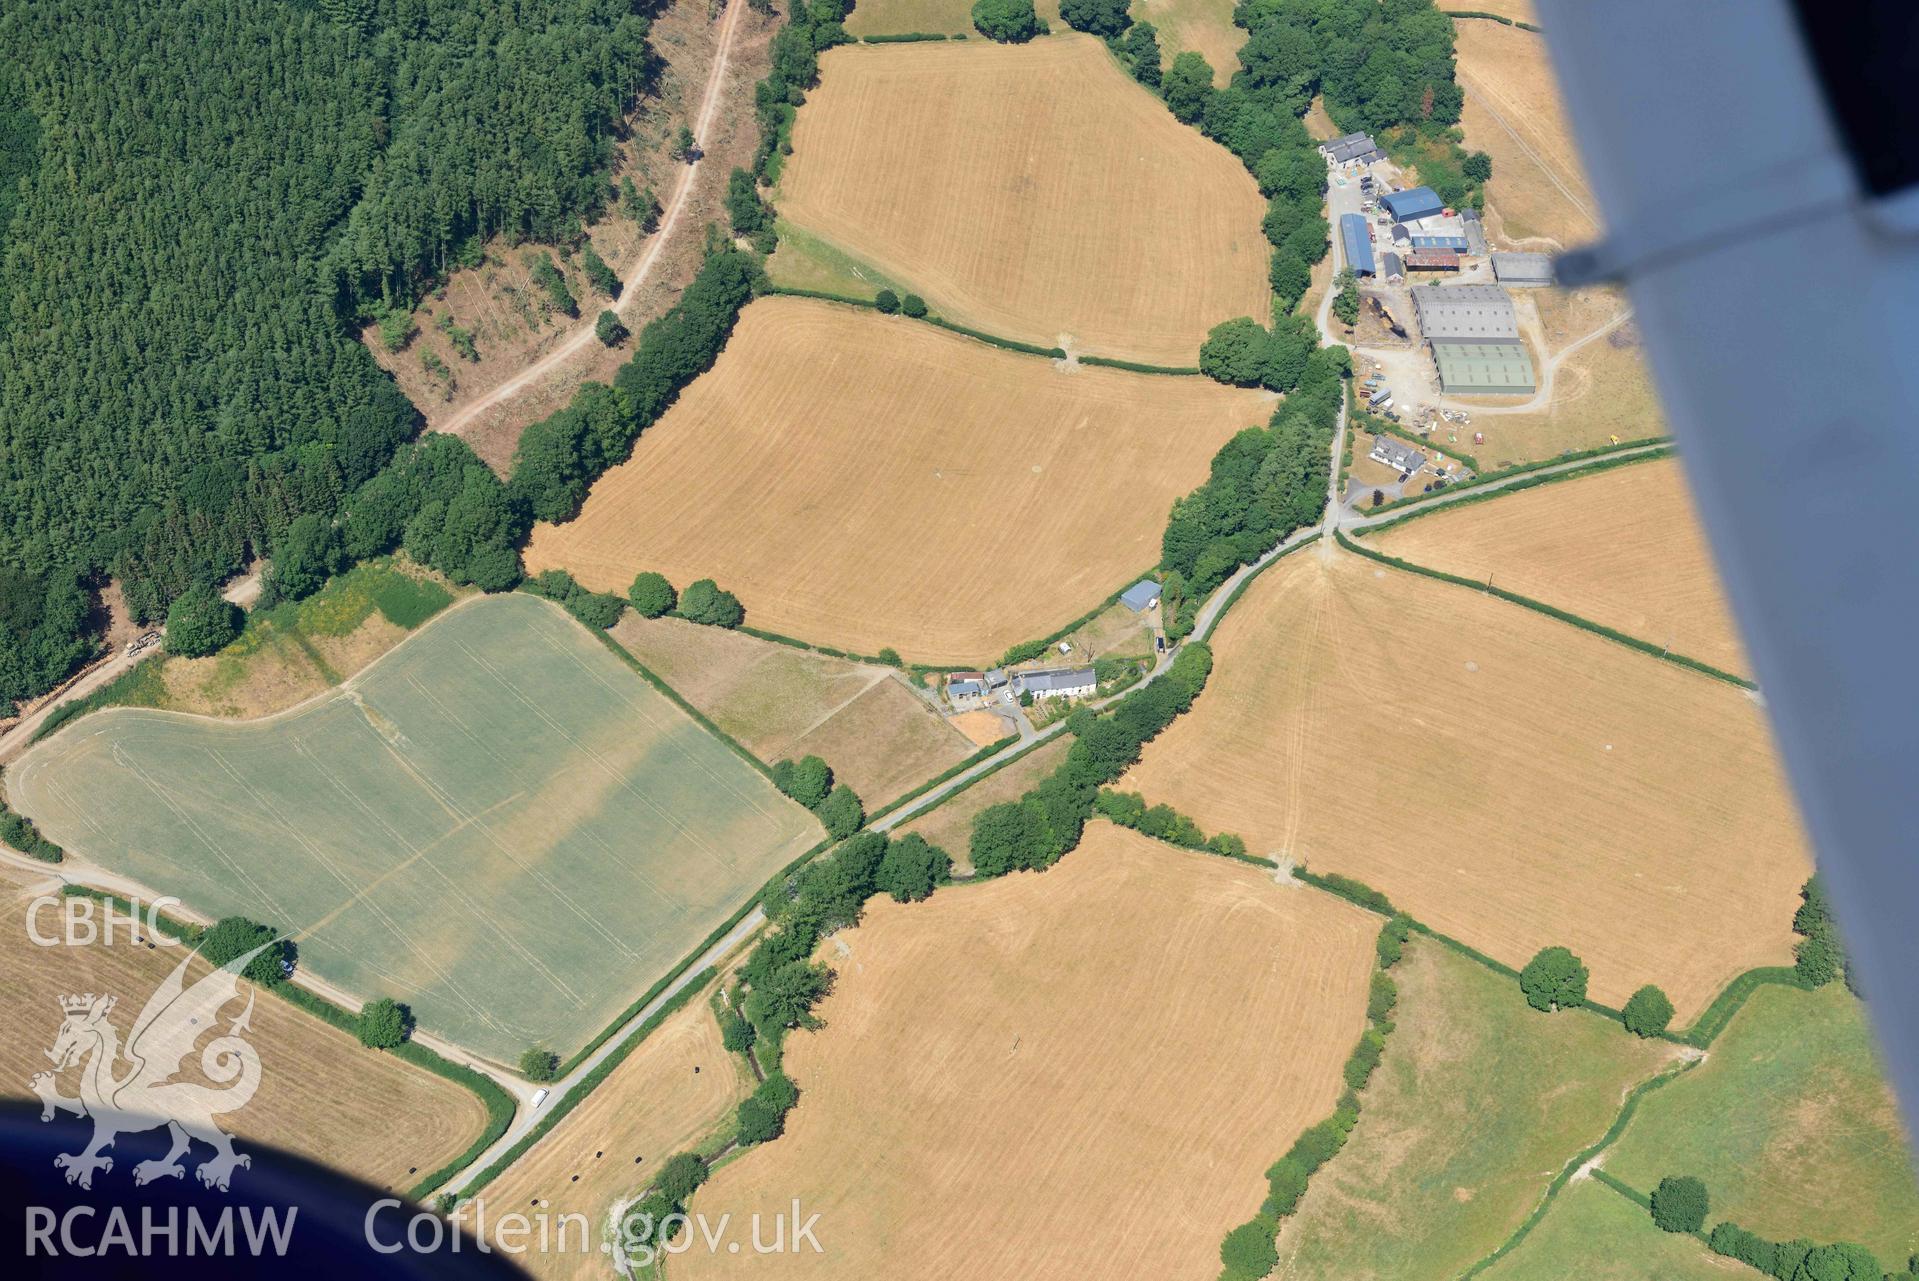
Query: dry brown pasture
[[1032, 191], [982, 728], [1621, 548], [1538, 196], [860, 718], [1507, 778], [668, 1094], [867, 481], [950, 824], [1203, 26], [1601, 392], [1016, 1077], [321, 1095]]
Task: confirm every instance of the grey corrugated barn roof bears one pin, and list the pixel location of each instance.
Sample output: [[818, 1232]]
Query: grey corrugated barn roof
[[1465, 313], [1524, 269], [1344, 140], [1484, 369], [1140, 595], [1042, 682]]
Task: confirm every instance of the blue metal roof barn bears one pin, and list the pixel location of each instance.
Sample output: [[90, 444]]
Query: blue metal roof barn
[[1420, 202], [1440, 242], [1359, 245]]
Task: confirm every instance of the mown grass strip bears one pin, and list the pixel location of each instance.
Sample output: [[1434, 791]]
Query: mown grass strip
[[1550, 611]]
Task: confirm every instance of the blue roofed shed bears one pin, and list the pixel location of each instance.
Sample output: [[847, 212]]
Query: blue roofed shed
[[1141, 596], [1420, 202], [1359, 245], [1440, 242]]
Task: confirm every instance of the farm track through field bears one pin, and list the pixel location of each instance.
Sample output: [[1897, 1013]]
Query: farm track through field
[[583, 333]]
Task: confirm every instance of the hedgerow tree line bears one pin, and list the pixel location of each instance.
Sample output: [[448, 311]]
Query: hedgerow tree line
[[228, 188], [1680, 1204], [1248, 1251]]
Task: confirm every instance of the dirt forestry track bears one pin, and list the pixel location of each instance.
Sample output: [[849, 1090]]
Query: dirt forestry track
[[1014, 1077], [866, 481], [1032, 191], [1502, 776], [678, 226]]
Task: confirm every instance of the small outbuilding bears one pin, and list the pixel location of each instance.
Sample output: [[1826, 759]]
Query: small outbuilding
[[1419, 202], [1394, 267], [1433, 260], [967, 686], [1402, 234], [1141, 596]]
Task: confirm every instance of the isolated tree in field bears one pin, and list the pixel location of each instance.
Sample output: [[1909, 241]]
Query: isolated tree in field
[[1140, 45], [1553, 980], [841, 812], [887, 301], [913, 305], [539, 1064], [200, 622], [232, 937], [1187, 85], [704, 602], [1647, 1012], [608, 328], [1478, 166], [1007, 21], [912, 868], [598, 274], [1679, 1203], [683, 146], [807, 780], [384, 1024], [652, 595], [1248, 1250], [1099, 17]]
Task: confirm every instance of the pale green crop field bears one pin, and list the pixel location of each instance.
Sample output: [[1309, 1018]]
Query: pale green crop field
[[498, 823]]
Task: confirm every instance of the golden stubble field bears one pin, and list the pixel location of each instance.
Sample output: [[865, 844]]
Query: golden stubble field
[[1079, 1073], [861, 718], [678, 1085], [866, 481], [1504, 777], [321, 1094], [1621, 548], [1033, 191]]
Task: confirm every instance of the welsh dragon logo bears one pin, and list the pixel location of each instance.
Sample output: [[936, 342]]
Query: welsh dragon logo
[[125, 1090]]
